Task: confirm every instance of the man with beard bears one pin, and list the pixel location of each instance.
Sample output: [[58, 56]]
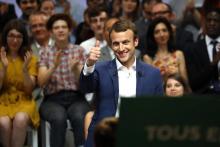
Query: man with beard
[[27, 7]]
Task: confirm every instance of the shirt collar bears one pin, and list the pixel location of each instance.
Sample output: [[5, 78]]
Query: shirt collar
[[209, 40], [50, 43], [120, 66]]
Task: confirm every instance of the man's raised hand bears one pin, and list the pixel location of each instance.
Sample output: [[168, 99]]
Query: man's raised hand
[[94, 54]]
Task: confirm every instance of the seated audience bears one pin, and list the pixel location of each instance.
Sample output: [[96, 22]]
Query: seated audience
[[18, 71], [161, 51], [203, 58], [175, 86], [97, 17], [129, 9], [83, 30], [59, 69], [182, 37], [41, 37], [27, 7], [143, 22], [48, 7]]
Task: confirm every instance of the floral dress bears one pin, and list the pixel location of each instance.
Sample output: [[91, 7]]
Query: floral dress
[[167, 64]]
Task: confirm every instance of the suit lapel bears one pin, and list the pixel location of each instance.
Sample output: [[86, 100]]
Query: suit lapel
[[114, 76], [139, 74], [203, 51]]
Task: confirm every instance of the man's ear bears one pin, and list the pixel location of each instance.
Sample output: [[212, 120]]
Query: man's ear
[[136, 41]]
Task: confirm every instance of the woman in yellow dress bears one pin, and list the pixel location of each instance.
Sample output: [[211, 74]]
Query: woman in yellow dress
[[18, 70]]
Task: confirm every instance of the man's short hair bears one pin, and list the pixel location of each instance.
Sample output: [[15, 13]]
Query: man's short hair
[[38, 13], [18, 2], [211, 9], [59, 16], [124, 25], [96, 10], [149, 1]]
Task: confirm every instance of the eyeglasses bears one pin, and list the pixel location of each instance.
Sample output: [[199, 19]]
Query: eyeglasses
[[13, 36], [27, 1], [160, 13]]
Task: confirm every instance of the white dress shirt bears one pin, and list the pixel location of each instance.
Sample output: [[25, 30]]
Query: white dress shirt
[[127, 82], [209, 45], [126, 79]]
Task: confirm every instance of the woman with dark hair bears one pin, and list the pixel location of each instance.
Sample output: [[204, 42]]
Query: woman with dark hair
[[129, 9], [59, 69], [175, 86], [18, 71], [161, 51]]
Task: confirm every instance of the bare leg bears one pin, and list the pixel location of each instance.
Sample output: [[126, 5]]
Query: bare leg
[[6, 130], [19, 132], [87, 121]]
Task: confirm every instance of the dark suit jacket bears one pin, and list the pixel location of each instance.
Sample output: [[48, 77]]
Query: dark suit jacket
[[104, 82], [183, 39], [200, 70], [142, 27]]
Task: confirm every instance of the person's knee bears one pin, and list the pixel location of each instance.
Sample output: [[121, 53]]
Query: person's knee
[[5, 122], [58, 121], [78, 111], [21, 120]]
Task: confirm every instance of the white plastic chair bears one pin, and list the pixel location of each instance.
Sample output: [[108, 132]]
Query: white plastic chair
[[33, 137], [45, 129]]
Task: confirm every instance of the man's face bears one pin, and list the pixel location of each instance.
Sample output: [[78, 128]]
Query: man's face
[[213, 24], [97, 23], [38, 27], [28, 6], [129, 6], [48, 7], [161, 10], [147, 9], [60, 31], [123, 44]]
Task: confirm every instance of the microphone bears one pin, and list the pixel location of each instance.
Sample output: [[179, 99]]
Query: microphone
[[115, 73], [139, 73]]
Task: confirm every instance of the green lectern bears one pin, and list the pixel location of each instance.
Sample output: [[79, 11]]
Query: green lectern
[[192, 121]]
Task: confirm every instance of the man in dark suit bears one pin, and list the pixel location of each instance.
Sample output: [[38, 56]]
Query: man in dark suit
[[203, 57], [122, 77]]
